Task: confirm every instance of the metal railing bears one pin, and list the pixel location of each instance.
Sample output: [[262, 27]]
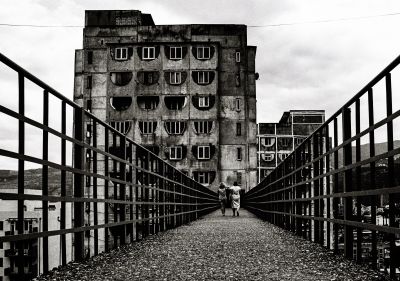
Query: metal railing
[[340, 187], [121, 191]]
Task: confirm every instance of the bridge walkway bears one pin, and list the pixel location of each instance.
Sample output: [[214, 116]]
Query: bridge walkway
[[218, 248]]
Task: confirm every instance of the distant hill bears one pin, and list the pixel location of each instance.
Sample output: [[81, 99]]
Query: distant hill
[[33, 180], [379, 149]]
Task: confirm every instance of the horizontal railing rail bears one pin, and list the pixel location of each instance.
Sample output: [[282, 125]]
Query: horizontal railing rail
[[340, 187], [114, 192]]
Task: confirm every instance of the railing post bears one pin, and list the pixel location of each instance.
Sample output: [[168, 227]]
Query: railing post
[[348, 186], [21, 173], [78, 184], [391, 179], [45, 181]]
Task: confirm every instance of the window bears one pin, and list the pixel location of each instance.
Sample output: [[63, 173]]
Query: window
[[283, 156], [89, 105], [239, 154], [175, 78], [203, 152], [148, 78], [237, 104], [148, 102], [268, 157], [204, 177], [175, 153], [203, 127], [121, 126], [149, 53], [1, 225], [88, 131], [147, 127], [238, 129], [175, 127], [89, 82], [120, 103], [121, 53], [267, 141], [121, 78], [237, 56], [204, 101], [175, 53], [90, 57], [203, 53], [239, 178], [203, 77], [285, 141], [1, 262], [175, 102]]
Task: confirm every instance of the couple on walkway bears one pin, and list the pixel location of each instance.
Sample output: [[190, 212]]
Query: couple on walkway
[[234, 192]]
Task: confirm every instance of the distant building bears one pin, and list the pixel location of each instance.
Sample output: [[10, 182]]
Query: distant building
[[186, 92], [277, 140], [33, 256]]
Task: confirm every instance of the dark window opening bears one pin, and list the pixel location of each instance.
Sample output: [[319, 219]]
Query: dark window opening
[[175, 102], [121, 126], [175, 77], [148, 77], [1, 225], [121, 78], [89, 82], [147, 127], [89, 105], [238, 129], [203, 127], [239, 153], [175, 127], [120, 103], [204, 177], [237, 80], [203, 77], [148, 102], [90, 57]]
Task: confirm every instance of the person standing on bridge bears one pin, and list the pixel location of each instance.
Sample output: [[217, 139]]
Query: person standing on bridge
[[235, 198], [222, 197]]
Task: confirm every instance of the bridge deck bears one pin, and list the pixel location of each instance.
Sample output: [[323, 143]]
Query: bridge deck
[[218, 248]]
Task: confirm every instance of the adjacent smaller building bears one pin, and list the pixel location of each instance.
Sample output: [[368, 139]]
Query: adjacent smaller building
[[275, 141]]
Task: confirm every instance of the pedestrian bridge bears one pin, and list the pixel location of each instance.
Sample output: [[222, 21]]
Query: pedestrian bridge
[[329, 211]]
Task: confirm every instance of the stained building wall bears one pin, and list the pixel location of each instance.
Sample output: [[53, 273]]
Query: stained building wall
[[231, 92]]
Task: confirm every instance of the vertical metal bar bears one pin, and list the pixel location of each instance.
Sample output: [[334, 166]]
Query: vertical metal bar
[[374, 252], [132, 177], [335, 187], [78, 183], [45, 181], [21, 172], [328, 187], [358, 182], [122, 192], [391, 176], [106, 204], [95, 207], [315, 183], [63, 183], [347, 202]]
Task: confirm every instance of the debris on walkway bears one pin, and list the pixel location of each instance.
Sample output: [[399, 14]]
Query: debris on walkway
[[218, 248]]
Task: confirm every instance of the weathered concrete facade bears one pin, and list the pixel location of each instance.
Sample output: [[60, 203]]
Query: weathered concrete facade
[[187, 92], [277, 140]]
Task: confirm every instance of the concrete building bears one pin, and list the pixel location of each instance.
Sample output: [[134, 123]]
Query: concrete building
[[277, 140], [187, 92], [33, 254]]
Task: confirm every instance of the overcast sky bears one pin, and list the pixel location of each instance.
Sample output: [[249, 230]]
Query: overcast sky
[[318, 65]]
